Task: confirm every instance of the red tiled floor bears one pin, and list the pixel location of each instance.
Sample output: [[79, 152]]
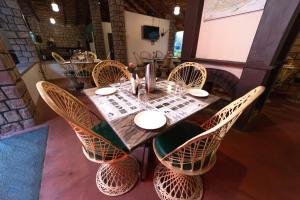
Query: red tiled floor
[[262, 164]]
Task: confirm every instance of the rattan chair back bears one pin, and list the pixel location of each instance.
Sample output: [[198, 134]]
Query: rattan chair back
[[92, 55], [83, 64], [58, 58], [83, 57], [108, 72], [82, 120], [191, 73], [199, 153], [69, 69]]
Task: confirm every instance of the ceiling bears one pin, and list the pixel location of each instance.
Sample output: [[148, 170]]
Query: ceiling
[[77, 11], [158, 8]]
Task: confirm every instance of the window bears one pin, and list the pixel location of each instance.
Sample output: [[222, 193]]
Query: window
[[178, 43]]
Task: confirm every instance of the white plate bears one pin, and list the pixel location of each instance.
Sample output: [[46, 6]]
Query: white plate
[[150, 120], [106, 91], [198, 92]]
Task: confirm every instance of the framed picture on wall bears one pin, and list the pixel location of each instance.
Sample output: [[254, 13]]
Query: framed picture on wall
[[214, 9]]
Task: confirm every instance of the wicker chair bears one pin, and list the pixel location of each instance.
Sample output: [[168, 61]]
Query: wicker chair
[[188, 151], [118, 172], [57, 58], [191, 73], [67, 67], [92, 55], [84, 63], [69, 71], [86, 56], [108, 72]]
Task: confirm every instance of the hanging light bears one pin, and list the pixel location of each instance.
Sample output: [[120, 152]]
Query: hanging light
[[52, 20], [176, 10], [55, 7]]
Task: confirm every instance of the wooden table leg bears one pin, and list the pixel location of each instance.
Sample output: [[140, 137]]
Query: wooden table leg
[[145, 161]]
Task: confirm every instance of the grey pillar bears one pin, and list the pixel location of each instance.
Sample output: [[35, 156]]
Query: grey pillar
[[97, 28], [117, 19]]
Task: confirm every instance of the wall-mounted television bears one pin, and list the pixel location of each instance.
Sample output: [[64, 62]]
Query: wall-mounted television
[[150, 32]]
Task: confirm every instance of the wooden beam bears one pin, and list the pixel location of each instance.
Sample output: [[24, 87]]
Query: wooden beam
[[265, 36], [149, 7], [273, 39], [191, 29], [143, 6], [129, 8], [159, 9], [136, 6]]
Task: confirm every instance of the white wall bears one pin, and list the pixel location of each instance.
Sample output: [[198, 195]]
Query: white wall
[[228, 38], [31, 77], [135, 43], [106, 26]]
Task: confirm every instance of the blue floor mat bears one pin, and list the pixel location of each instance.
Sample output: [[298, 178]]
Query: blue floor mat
[[21, 165]]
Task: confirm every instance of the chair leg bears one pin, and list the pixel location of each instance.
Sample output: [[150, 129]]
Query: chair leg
[[173, 186], [117, 178]]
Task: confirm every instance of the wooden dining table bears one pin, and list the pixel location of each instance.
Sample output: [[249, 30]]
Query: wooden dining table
[[82, 62], [120, 108]]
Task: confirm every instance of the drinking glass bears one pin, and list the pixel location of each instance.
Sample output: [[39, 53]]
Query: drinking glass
[[122, 81], [171, 88], [181, 88], [142, 97]]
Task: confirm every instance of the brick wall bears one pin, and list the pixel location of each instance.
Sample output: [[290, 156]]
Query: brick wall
[[117, 19], [16, 106], [16, 32], [63, 35], [172, 32], [97, 28]]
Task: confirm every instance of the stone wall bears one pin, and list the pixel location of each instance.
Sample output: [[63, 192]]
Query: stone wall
[[117, 19], [294, 52], [16, 106], [63, 35], [16, 32], [172, 32]]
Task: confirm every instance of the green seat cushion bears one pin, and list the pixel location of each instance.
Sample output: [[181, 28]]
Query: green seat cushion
[[103, 129], [84, 73], [70, 73], [175, 137]]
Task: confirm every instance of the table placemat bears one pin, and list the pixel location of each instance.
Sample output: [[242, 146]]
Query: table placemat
[[165, 100], [117, 105]]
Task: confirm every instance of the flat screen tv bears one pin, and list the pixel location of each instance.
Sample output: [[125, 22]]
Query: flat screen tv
[[151, 33]]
